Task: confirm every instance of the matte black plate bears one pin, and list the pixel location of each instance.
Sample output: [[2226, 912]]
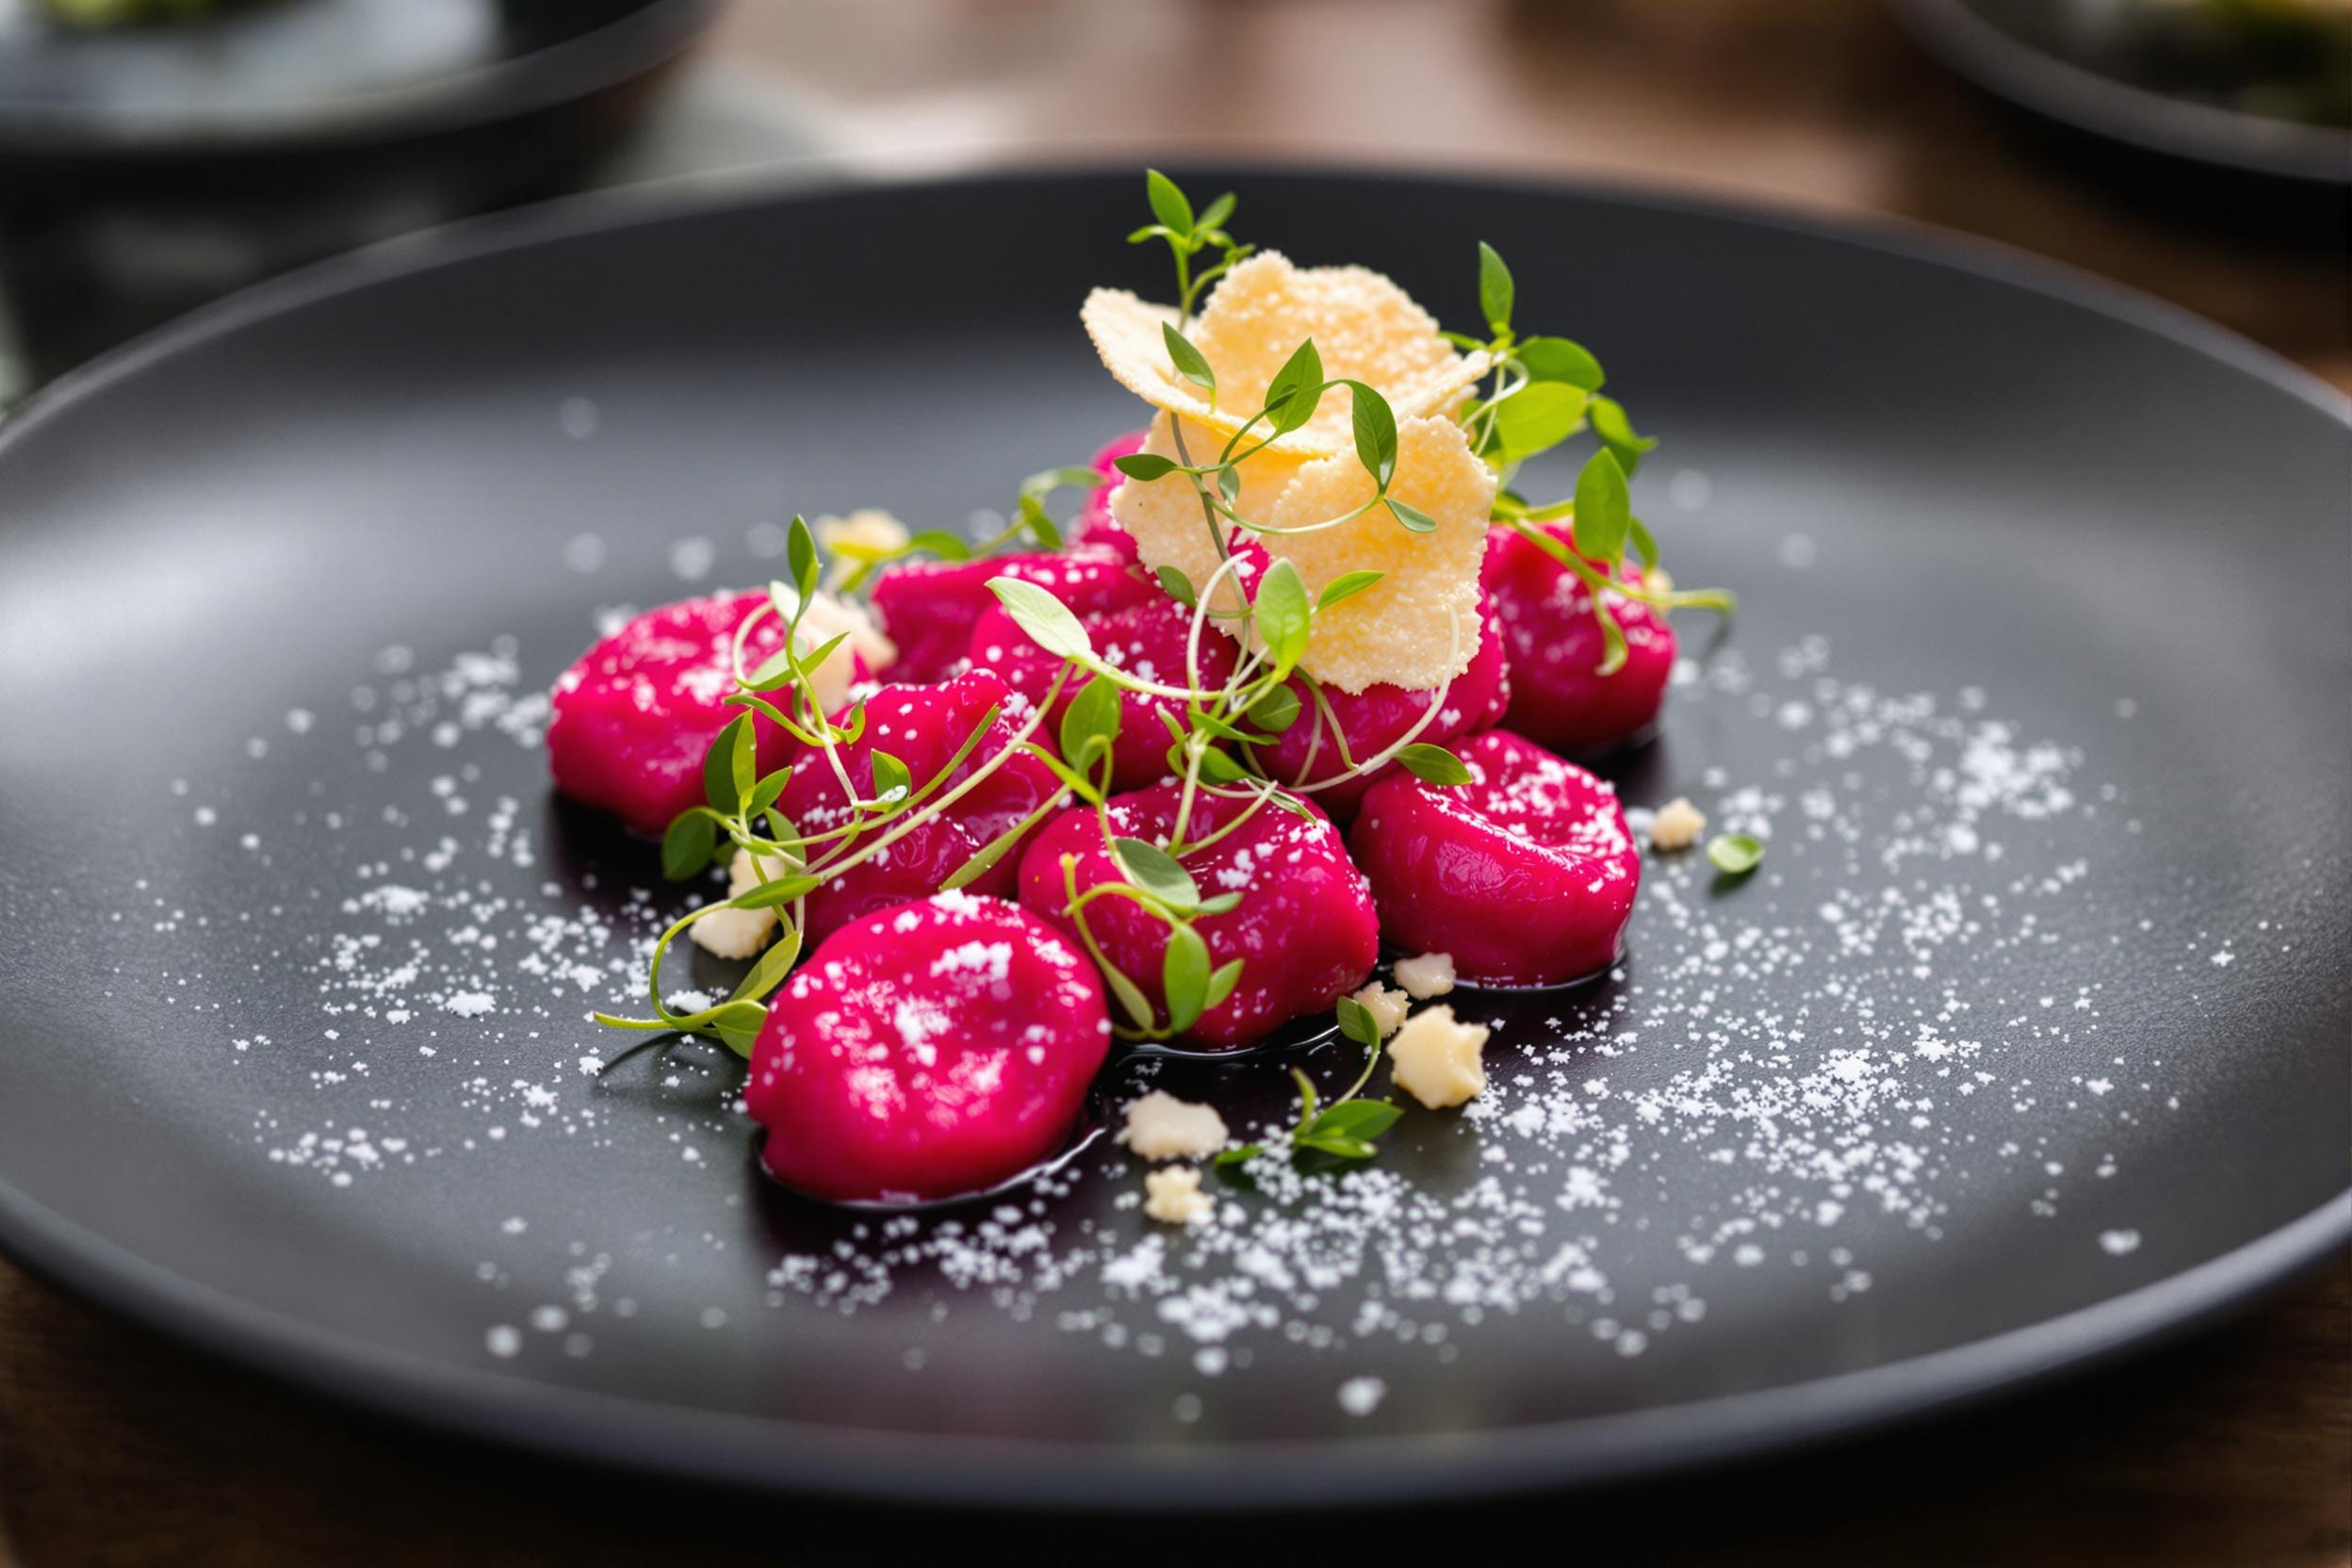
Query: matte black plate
[[2027, 1042]]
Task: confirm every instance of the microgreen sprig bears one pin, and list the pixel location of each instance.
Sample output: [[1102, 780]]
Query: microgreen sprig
[[1346, 1128], [1545, 391], [1189, 233]]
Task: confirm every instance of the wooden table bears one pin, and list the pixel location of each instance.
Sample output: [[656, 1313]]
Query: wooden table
[[2234, 1448]]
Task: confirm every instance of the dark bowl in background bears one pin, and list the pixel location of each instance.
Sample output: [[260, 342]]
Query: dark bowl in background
[[147, 169], [2146, 140]]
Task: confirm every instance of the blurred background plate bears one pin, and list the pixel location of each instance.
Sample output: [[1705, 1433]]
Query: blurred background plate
[[2249, 102], [309, 79], [148, 166], [349, 478]]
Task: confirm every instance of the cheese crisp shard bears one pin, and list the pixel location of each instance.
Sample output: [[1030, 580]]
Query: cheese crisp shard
[[1418, 626], [1403, 628], [1363, 327], [1165, 515]]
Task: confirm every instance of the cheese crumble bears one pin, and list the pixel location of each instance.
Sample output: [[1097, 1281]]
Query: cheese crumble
[[1387, 1007], [1677, 825], [726, 933], [1172, 1196], [1430, 974], [1436, 1059], [1162, 1127]]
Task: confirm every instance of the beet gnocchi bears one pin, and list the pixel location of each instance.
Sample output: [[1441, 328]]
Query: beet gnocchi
[[1525, 874], [1096, 801], [936, 1048]]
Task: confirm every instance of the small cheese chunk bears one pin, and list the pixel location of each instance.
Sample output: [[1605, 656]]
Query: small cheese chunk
[[1162, 1127], [1677, 825], [1386, 1006], [736, 933], [1436, 1059], [1430, 974], [1172, 1196]]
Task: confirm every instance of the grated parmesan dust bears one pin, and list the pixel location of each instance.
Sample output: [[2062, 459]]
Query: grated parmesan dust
[[1809, 1077]]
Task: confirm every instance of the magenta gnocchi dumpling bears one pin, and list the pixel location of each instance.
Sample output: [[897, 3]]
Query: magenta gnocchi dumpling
[[1526, 875], [1303, 928], [936, 1049]]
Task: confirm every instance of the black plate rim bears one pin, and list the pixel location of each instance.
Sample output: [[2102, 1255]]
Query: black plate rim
[[2137, 117], [749, 1451], [511, 87]]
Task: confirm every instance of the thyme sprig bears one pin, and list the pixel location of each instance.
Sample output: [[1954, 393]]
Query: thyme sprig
[[1346, 1128]]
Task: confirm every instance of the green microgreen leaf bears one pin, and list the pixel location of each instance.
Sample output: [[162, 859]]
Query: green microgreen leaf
[[1297, 389], [1496, 293], [1145, 466], [800, 555], [941, 544], [1432, 764], [1280, 614], [987, 855], [1184, 976], [1360, 1119], [1223, 903], [1603, 508], [1347, 585], [1045, 618], [1168, 203], [771, 895], [1222, 980], [730, 767], [1217, 768], [1209, 724], [1735, 854], [1618, 435], [1556, 359], [1275, 711], [765, 793], [1643, 544], [1376, 432], [1132, 1001], [1411, 516], [1091, 724], [738, 1023], [1538, 418], [770, 971], [1613, 651], [1190, 363], [1216, 215], [1357, 1023], [893, 782], [1179, 586], [1069, 475], [686, 845], [1228, 483], [1039, 522], [1151, 868]]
